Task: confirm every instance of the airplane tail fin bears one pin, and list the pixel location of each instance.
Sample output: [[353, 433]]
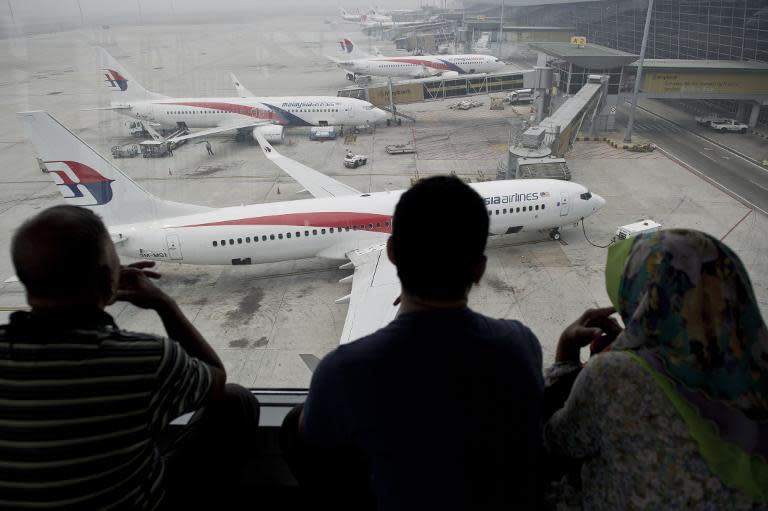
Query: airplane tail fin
[[348, 47], [124, 87], [85, 178]]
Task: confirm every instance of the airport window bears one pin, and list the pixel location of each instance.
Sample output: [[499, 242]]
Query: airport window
[[215, 243]]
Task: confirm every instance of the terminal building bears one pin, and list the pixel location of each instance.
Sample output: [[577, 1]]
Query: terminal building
[[710, 31]]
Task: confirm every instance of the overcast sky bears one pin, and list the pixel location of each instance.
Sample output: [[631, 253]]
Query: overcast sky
[[130, 8]]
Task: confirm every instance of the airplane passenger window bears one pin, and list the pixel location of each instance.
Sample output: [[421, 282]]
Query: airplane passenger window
[[322, 231], [330, 230], [288, 235], [272, 236], [215, 244], [314, 232], [280, 235], [231, 242], [239, 241]]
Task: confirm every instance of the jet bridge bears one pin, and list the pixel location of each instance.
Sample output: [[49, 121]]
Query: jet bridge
[[539, 151]]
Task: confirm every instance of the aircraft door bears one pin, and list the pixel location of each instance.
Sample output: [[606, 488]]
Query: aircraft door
[[174, 247], [564, 205], [350, 111]]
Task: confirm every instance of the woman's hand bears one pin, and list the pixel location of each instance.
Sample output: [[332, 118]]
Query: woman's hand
[[594, 327]]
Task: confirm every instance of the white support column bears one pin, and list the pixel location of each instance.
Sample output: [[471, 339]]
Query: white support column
[[754, 115]]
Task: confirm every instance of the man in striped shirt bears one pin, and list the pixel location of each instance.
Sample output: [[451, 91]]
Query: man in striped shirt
[[83, 403]]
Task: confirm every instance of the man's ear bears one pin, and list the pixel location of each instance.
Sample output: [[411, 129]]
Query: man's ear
[[479, 270], [391, 251]]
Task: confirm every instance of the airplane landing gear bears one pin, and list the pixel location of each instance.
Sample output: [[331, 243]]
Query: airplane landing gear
[[554, 234], [351, 77]]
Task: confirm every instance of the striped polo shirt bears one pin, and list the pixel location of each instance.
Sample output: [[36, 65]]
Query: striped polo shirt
[[81, 403]]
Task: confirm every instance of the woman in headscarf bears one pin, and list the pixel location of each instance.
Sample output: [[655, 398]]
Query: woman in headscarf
[[674, 414]]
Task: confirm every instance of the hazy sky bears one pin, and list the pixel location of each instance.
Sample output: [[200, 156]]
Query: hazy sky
[[130, 8]]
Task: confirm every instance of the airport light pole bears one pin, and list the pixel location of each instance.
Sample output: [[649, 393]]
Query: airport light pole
[[501, 26], [639, 74]]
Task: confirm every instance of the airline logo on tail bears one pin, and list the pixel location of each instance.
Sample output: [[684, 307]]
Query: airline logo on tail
[[86, 186], [116, 80], [346, 45]]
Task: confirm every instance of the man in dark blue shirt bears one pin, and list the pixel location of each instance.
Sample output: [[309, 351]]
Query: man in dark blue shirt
[[443, 404]]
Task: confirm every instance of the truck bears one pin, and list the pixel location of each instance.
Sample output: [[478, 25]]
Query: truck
[[631, 230], [706, 120], [352, 161], [519, 96], [729, 125], [323, 133]]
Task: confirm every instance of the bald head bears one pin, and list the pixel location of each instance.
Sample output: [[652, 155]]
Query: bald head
[[64, 254]]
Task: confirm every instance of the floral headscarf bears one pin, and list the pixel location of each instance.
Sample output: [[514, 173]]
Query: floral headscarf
[[686, 299]]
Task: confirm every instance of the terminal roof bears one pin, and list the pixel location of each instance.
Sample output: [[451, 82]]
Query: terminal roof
[[706, 65], [591, 56]]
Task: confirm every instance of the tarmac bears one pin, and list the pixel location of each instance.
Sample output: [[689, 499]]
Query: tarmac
[[268, 322]]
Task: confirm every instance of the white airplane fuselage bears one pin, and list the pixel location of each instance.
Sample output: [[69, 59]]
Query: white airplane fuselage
[[284, 111], [330, 227], [416, 66]]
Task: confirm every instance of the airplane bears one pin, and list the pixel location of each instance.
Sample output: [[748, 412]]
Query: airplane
[[339, 222], [247, 114], [413, 66], [355, 18]]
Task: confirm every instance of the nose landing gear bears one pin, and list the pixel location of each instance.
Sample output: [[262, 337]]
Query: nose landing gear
[[554, 234]]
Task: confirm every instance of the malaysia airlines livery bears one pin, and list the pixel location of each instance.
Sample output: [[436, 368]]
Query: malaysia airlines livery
[[413, 66], [338, 223], [246, 114]]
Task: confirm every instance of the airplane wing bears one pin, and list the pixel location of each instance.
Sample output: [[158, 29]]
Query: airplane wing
[[241, 90], [220, 129], [316, 183], [375, 287]]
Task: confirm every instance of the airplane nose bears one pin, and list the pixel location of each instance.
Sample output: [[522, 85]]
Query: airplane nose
[[599, 201]]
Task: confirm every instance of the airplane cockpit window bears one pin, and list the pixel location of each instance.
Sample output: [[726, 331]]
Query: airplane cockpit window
[[586, 196]]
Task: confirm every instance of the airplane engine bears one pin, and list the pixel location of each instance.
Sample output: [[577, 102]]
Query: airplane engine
[[274, 133]]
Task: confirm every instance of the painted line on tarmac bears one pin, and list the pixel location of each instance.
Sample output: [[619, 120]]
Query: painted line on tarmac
[[736, 225], [694, 170], [743, 156]]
